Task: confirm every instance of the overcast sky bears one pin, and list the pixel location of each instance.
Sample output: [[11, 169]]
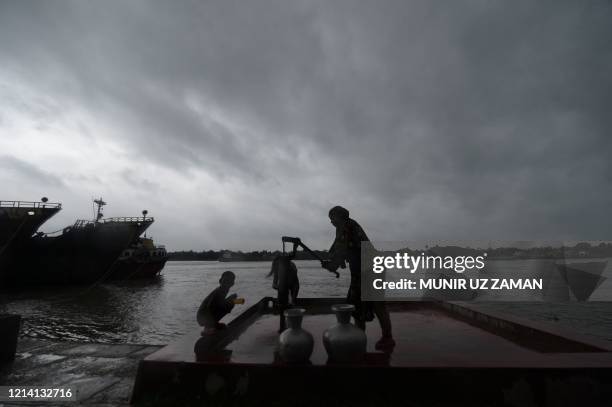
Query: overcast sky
[[235, 122]]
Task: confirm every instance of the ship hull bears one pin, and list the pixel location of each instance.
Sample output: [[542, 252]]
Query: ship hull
[[18, 222], [134, 270], [80, 255]]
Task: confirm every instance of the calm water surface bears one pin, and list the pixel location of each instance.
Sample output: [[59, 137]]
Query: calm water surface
[[156, 312]]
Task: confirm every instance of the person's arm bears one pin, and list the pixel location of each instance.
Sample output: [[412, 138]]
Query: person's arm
[[337, 252], [220, 302], [332, 248]]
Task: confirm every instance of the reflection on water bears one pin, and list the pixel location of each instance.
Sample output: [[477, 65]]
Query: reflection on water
[[155, 312]]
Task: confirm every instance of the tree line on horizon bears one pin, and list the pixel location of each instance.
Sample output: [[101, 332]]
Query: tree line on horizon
[[229, 255]]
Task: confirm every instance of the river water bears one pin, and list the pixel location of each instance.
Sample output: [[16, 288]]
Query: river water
[[156, 312]]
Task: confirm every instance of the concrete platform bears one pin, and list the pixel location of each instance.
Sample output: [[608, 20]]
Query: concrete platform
[[450, 344], [102, 374]]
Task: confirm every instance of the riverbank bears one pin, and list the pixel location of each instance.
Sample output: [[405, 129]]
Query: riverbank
[[101, 374]]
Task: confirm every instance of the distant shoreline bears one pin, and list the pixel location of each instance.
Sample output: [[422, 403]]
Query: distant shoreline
[[227, 256]]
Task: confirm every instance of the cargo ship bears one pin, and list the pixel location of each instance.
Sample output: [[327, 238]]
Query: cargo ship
[[82, 253]]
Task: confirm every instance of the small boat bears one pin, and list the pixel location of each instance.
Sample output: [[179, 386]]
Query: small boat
[[228, 256], [143, 259]]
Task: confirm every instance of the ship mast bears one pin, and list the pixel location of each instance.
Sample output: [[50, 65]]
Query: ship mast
[[144, 219], [99, 203]]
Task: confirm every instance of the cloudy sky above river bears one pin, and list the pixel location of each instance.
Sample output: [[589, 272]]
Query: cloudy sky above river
[[236, 122]]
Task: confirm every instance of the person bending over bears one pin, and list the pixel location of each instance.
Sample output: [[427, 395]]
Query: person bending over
[[347, 248], [217, 304]]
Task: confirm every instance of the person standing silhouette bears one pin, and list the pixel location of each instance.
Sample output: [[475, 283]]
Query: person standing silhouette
[[286, 283], [347, 248]]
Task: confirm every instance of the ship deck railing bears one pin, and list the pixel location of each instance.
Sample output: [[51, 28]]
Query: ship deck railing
[[29, 204], [81, 223], [128, 219]]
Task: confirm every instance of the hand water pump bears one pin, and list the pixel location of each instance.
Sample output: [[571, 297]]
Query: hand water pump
[[297, 242]]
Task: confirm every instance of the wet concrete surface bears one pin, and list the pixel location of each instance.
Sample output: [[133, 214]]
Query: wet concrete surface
[[425, 337], [101, 374]]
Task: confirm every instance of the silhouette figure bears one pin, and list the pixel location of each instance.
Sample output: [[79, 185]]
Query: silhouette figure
[[285, 279], [347, 248], [286, 282], [217, 304]]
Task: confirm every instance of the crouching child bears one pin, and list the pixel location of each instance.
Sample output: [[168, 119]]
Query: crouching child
[[218, 304]]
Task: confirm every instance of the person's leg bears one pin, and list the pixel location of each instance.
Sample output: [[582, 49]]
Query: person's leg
[[206, 319], [295, 289], [209, 319], [381, 312], [367, 311], [353, 299], [218, 316], [386, 342], [283, 304], [354, 296], [360, 323]]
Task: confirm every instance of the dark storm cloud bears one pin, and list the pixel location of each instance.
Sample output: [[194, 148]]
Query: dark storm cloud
[[472, 119], [28, 172]]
